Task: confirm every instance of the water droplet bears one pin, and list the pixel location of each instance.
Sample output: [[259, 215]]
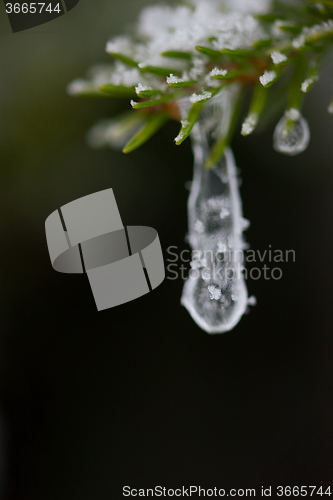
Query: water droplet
[[292, 134]]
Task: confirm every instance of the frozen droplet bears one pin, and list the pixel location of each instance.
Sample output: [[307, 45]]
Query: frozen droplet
[[292, 134]]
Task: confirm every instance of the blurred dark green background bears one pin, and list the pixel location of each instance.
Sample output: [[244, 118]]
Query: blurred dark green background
[[139, 395]]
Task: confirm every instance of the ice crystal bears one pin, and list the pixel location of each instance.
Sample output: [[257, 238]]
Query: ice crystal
[[249, 124], [200, 97], [102, 74], [278, 57], [166, 28], [311, 32], [308, 83], [267, 77], [215, 292], [218, 72], [173, 79], [141, 88], [198, 30]]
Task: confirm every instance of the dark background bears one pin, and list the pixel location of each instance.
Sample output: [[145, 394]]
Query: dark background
[[138, 395]]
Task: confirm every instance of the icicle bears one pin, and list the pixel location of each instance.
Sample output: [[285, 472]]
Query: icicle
[[215, 293], [292, 134]]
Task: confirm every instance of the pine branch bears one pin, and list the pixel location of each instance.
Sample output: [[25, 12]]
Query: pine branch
[[288, 41]]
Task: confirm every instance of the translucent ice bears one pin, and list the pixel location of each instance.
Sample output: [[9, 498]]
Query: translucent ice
[[215, 293]]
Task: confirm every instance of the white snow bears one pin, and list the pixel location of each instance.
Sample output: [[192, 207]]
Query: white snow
[[173, 79], [218, 72], [141, 88], [324, 27], [278, 57], [267, 77], [292, 114], [249, 124], [307, 84], [200, 97]]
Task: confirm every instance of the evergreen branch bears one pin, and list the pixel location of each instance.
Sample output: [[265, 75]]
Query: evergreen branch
[[283, 38], [152, 125]]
